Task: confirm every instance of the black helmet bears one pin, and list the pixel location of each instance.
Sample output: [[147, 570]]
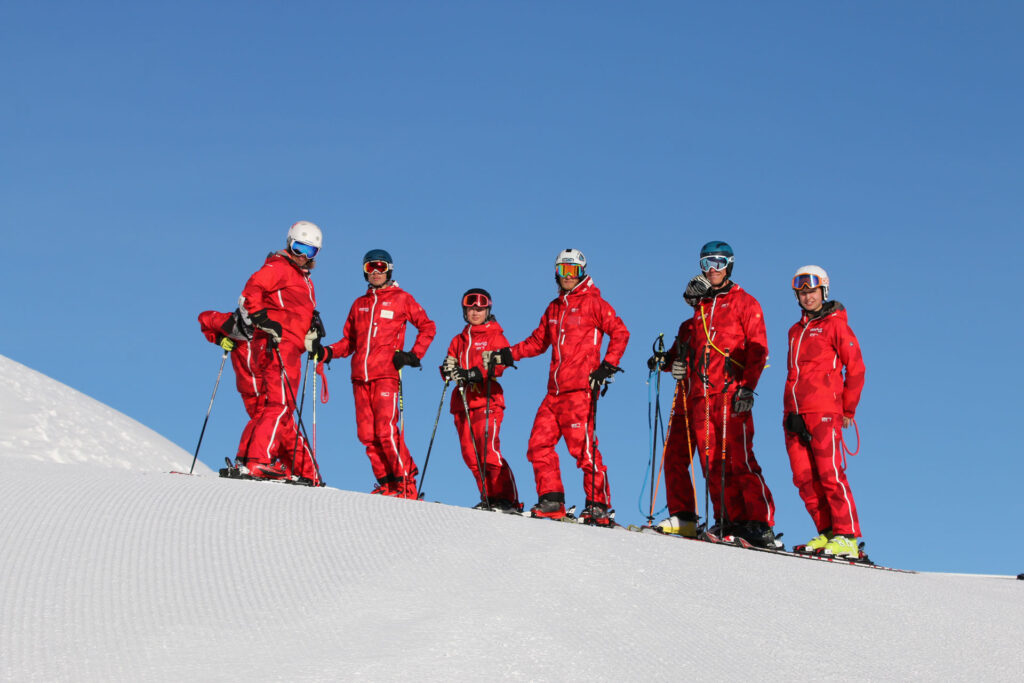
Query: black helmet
[[476, 297]]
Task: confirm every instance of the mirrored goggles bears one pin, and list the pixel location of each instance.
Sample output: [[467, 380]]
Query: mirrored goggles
[[806, 281], [715, 263], [476, 300], [569, 270], [303, 249], [376, 267]]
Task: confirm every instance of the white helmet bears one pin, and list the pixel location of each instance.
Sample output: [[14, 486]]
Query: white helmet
[[572, 257], [306, 233], [810, 277]]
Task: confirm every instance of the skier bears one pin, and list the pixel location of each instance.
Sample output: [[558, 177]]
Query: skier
[[731, 350], [478, 434], [374, 335], [820, 401], [226, 331], [573, 326], [275, 310], [680, 439]]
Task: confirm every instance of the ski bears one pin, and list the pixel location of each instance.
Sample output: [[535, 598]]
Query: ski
[[570, 515]]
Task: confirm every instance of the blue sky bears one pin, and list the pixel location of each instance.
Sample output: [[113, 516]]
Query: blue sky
[[153, 154]]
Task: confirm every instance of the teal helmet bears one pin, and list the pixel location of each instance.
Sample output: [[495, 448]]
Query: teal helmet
[[377, 255], [716, 254]]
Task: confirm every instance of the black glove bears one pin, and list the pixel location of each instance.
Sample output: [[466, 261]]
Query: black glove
[[502, 356], [317, 325], [272, 328], [696, 289], [318, 351], [743, 401], [403, 358], [657, 361], [471, 376], [603, 374]]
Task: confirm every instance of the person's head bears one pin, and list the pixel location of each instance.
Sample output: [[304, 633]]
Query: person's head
[[377, 267], [716, 261], [476, 306], [810, 284], [570, 268], [303, 243]]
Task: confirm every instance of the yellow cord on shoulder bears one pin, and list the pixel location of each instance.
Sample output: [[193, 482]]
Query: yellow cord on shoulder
[[707, 335]]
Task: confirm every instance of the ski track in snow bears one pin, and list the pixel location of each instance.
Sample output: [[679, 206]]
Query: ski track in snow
[[112, 575], [113, 569]]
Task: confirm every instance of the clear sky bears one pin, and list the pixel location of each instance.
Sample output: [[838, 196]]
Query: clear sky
[[152, 154]]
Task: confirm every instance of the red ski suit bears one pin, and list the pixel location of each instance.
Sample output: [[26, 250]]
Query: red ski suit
[[729, 320], [245, 357], [573, 326], [285, 292], [820, 347], [467, 348], [374, 330], [679, 445]]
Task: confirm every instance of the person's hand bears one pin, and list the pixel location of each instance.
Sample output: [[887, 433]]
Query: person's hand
[[696, 289], [270, 327], [678, 370], [743, 401], [603, 374], [657, 361], [403, 358], [471, 376], [847, 421], [226, 343], [502, 356], [318, 351]]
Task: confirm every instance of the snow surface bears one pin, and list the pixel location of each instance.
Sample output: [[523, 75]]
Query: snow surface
[[113, 569]]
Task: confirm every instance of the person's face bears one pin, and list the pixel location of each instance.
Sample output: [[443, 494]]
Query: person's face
[[567, 283], [811, 299], [376, 279], [476, 315], [298, 259], [716, 277]]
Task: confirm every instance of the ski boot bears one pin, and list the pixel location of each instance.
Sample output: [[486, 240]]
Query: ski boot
[[842, 546], [597, 514], [499, 505], [815, 545], [758, 534], [550, 506], [678, 526], [267, 470]]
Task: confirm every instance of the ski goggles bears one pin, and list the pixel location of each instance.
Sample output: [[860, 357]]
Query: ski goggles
[[569, 270], [376, 267], [807, 281], [303, 249], [715, 263], [476, 300]]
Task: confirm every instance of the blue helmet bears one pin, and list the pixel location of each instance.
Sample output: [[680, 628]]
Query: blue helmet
[[720, 249], [377, 255]]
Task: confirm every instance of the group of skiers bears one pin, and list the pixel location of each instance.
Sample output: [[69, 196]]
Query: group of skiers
[[716, 360]]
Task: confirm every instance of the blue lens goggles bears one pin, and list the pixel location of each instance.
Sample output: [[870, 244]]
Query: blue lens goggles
[[303, 249], [715, 263]]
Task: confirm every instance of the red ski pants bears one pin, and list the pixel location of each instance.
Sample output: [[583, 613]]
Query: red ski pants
[[568, 416], [678, 457], [245, 359], [377, 414], [501, 484], [271, 433], [747, 498], [819, 474]]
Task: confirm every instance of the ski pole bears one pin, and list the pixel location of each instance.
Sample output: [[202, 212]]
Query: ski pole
[[302, 402], [725, 424], [706, 461], [208, 411], [437, 419], [479, 465], [291, 395], [658, 347], [314, 411]]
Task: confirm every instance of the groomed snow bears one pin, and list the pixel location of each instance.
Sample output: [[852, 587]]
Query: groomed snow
[[131, 573]]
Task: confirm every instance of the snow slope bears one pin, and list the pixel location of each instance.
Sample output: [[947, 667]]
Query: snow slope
[[130, 573]]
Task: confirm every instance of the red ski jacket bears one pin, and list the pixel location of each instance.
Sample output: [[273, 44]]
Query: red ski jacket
[[820, 347], [285, 291], [729, 319], [375, 329], [468, 348], [572, 325]]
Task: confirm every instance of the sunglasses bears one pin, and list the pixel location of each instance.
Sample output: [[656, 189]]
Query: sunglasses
[[303, 249], [806, 281], [715, 263], [476, 300], [569, 270], [376, 267]]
